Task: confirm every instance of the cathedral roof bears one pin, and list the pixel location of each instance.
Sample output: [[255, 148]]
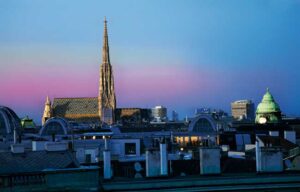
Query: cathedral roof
[[76, 108]]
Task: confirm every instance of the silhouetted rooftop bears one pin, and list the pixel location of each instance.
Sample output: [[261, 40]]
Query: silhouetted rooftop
[[36, 161]]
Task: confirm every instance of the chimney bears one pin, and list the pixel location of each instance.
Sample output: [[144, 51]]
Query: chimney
[[15, 135], [163, 158]]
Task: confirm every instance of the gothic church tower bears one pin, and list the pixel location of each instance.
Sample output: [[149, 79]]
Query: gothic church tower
[[107, 97], [47, 111]]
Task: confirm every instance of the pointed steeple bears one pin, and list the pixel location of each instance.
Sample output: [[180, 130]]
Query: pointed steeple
[[48, 101], [107, 97], [105, 48], [47, 111]]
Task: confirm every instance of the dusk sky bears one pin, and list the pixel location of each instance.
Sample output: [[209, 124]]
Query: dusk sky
[[181, 54]]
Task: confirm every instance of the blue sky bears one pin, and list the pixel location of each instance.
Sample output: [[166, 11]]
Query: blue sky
[[182, 54]]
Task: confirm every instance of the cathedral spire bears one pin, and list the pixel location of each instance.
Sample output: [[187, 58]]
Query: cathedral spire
[[48, 100], [47, 111], [107, 97], [105, 48]]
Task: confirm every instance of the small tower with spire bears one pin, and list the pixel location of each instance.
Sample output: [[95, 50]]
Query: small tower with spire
[[106, 97], [47, 111]]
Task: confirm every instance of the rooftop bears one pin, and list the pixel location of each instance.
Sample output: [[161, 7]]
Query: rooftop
[[35, 161], [245, 101]]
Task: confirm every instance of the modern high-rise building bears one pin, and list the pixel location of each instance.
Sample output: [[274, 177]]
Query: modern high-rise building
[[175, 116], [159, 114], [242, 109]]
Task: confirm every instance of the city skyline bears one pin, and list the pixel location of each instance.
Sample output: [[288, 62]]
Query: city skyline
[[209, 52]]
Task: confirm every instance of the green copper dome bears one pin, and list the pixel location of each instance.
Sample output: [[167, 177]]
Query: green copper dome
[[268, 104], [27, 123], [268, 109]]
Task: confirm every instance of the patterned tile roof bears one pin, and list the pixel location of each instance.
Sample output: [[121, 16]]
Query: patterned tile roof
[[35, 161], [76, 108]]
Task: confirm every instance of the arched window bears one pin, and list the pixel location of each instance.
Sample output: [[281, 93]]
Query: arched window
[[53, 128], [56, 126], [203, 125]]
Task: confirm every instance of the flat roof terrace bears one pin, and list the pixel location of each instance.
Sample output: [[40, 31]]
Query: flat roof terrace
[[224, 182]]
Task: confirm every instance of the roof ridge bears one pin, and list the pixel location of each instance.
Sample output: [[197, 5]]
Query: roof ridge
[[75, 98]]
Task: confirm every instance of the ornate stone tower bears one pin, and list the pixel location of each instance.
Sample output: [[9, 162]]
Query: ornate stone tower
[[107, 97], [47, 111]]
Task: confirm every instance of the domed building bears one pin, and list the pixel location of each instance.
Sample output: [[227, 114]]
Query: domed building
[[268, 111], [9, 122], [55, 126], [28, 123], [203, 123]]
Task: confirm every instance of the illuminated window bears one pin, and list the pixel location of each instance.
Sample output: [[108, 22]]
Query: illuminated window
[[179, 139], [194, 139], [186, 139]]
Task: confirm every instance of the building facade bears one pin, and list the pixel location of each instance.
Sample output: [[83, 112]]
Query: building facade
[[159, 114], [132, 116], [242, 109]]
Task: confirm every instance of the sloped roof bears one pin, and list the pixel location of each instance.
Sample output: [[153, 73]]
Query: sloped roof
[[276, 141], [76, 108], [36, 161]]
